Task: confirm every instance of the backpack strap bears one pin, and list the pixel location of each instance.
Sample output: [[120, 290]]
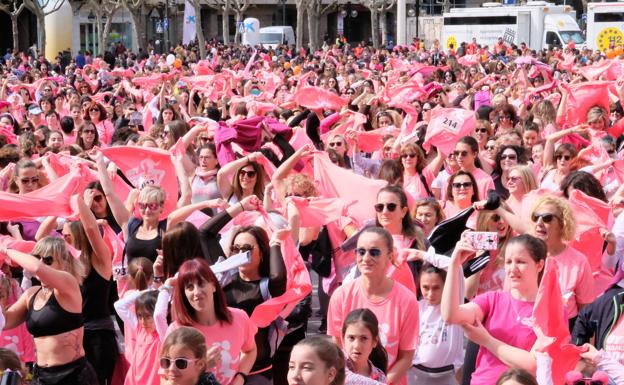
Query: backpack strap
[[423, 180]]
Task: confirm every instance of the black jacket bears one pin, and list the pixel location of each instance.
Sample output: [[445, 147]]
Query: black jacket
[[598, 318]]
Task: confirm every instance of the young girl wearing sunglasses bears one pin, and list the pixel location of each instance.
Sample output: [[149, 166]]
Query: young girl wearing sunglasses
[[386, 298], [183, 359]]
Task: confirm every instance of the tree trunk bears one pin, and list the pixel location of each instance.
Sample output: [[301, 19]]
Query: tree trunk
[[42, 32], [239, 19], [199, 31], [139, 35], [106, 30], [374, 25], [14, 29], [313, 26], [300, 15], [383, 15], [226, 22]]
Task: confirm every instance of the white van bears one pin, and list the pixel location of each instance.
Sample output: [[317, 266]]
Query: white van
[[538, 24], [274, 36], [605, 25]]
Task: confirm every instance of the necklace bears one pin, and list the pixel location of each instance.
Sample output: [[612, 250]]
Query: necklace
[[45, 290], [526, 321]]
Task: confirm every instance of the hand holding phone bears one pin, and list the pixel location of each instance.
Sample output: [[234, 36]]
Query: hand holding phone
[[483, 240]]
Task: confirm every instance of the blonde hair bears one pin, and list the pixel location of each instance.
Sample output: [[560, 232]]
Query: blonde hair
[[151, 193], [597, 113], [483, 219], [546, 112], [527, 176], [565, 214], [303, 182], [56, 248]]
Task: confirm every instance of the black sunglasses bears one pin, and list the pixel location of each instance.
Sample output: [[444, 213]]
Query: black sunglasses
[[249, 174], [241, 248], [546, 217], [564, 157], [509, 156], [48, 260], [482, 130], [373, 251], [379, 207], [459, 185], [460, 153]]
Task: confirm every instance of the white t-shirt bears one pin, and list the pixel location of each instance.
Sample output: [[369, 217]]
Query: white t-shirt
[[441, 344]]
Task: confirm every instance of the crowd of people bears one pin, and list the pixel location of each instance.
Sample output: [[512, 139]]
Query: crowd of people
[[460, 207]]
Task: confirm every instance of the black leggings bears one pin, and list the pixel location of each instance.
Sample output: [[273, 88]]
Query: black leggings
[[78, 372], [470, 361], [101, 351]]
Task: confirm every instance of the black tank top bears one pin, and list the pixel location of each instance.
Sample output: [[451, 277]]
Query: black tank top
[[51, 319], [142, 247], [95, 296]]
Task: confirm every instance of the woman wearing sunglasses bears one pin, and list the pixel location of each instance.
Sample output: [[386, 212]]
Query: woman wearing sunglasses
[[242, 178], [53, 313], [143, 235], [558, 163], [199, 302], [460, 193], [98, 116], [507, 157], [386, 298], [498, 321], [203, 183], [266, 270], [466, 154], [417, 174], [25, 179], [87, 136], [520, 181], [338, 143], [483, 130], [183, 359]]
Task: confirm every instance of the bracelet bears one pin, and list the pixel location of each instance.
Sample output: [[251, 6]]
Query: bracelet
[[245, 376], [241, 205], [158, 279]]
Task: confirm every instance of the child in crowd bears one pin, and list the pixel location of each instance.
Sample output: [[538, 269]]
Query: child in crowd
[[366, 358]]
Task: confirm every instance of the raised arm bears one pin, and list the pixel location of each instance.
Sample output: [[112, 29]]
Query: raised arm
[[102, 259], [284, 170], [184, 212], [226, 173], [452, 309], [121, 214], [549, 147], [277, 270]]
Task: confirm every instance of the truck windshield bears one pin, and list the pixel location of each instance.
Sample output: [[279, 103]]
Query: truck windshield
[[271, 38], [574, 36]]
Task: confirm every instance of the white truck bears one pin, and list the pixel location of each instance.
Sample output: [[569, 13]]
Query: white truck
[[538, 24], [605, 25], [276, 35]]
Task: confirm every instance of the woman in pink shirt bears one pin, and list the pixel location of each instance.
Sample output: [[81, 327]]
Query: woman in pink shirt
[[520, 181], [466, 153], [388, 300], [198, 301], [417, 174], [498, 321], [97, 114], [461, 193]]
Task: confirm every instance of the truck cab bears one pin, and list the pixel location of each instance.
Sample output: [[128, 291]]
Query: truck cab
[[561, 29], [277, 35]]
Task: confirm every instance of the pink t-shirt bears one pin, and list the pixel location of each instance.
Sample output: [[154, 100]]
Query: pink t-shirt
[[414, 187], [397, 315], [233, 338], [484, 182], [105, 131], [614, 344], [505, 318], [144, 363], [575, 279]]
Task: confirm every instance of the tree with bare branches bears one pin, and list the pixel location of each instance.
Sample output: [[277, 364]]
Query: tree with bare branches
[[104, 10], [239, 7], [138, 10], [316, 9], [199, 29], [13, 8], [301, 6], [41, 9], [379, 10], [225, 6]]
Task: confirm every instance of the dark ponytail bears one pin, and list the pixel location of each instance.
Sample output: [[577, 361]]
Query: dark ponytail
[[378, 356]]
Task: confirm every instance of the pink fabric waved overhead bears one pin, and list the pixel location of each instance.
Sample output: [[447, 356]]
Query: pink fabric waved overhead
[[318, 98], [320, 211], [334, 181], [582, 97], [52, 199], [447, 126], [551, 324], [144, 166], [596, 70]]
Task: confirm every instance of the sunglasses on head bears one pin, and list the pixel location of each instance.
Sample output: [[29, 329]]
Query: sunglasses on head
[[48, 260], [180, 363], [373, 252], [335, 144], [546, 217], [458, 185], [248, 174], [241, 248], [379, 207], [564, 157], [33, 180], [151, 206], [509, 156], [460, 153], [481, 130]]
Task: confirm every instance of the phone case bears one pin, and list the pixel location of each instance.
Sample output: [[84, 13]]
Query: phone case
[[483, 240]]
